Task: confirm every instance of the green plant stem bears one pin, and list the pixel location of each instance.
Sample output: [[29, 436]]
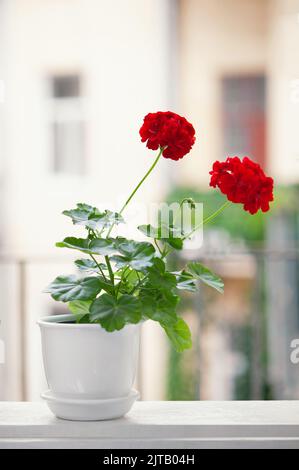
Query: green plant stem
[[122, 279], [127, 202], [209, 219], [138, 186], [102, 272], [125, 275], [179, 213], [156, 243], [111, 274], [140, 281], [137, 285], [142, 180], [204, 222]]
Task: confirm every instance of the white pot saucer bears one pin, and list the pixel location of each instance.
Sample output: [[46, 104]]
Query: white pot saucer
[[89, 410]]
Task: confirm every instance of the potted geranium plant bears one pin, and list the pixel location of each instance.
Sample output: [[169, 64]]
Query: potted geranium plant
[[90, 355]]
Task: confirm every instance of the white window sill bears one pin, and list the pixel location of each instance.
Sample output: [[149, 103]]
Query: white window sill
[[243, 424]]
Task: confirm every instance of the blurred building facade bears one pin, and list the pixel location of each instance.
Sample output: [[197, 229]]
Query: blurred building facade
[[238, 75], [237, 40], [79, 76]]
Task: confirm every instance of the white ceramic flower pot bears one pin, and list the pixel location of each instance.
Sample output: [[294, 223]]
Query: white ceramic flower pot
[[90, 372]]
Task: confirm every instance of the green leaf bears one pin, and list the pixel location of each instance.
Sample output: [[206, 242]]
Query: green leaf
[[80, 308], [133, 277], [159, 277], [80, 214], [167, 234], [67, 288], [102, 246], [129, 279], [92, 218], [96, 246], [205, 275], [158, 266], [113, 314], [88, 265], [106, 285], [159, 305], [185, 281], [81, 244], [113, 218], [137, 255], [175, 242], [179, 335], [101, 220]]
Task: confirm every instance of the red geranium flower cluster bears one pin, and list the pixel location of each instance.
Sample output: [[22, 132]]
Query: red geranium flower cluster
[[243, 181], [169, 130]]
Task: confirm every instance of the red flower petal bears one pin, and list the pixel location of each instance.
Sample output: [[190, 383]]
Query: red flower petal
[[169, 130], [243, 181]]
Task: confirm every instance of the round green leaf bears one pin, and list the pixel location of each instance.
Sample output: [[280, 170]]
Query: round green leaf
[[137, 255], [80, 308], [88, 265], [67, 288], [81, 244], [92, 218], [96, 246], [159, 305], [159, 277], [104, 219], [113, 314], [81, 214], [102, 246]]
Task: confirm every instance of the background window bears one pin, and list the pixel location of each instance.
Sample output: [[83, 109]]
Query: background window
[[67, 125], [243, 116], [67, 86]]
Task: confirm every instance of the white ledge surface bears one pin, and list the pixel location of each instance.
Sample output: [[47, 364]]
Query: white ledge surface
[[161, 425]]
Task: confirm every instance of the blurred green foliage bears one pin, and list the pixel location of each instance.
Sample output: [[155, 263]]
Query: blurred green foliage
[[181, 382], [238, 223], [252, 229]]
